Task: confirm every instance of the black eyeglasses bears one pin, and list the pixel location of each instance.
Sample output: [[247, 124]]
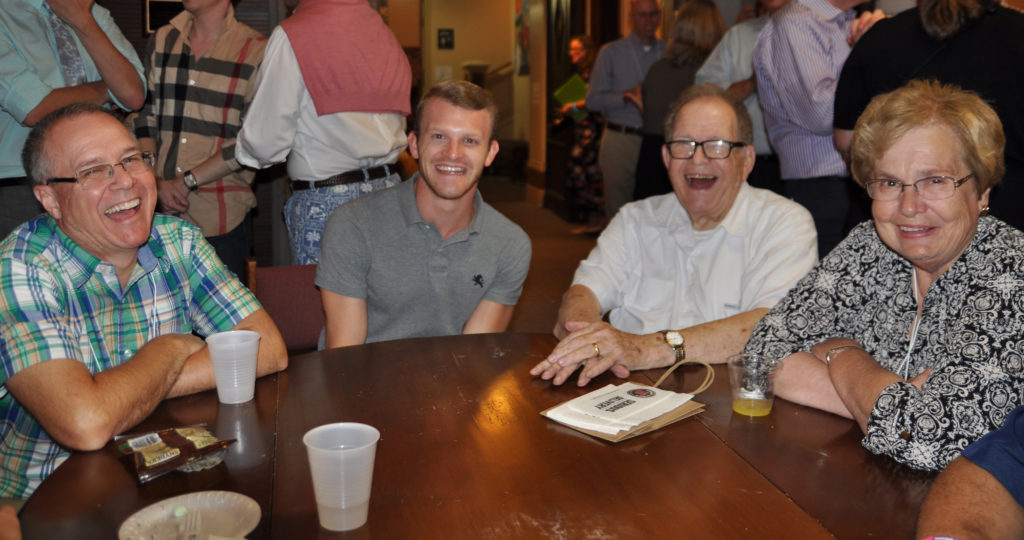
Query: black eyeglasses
[[933, 188], [97, 174], [717, 149]]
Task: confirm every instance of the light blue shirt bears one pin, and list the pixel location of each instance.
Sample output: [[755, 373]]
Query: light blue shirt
[[30, 70], [731, 61], [798, 57], [621, 65]]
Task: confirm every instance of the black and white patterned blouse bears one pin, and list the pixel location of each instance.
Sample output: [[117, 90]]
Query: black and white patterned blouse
[[971, 333]]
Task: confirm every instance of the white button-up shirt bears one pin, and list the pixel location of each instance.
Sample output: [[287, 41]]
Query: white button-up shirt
[[282, 123], [653, 271]]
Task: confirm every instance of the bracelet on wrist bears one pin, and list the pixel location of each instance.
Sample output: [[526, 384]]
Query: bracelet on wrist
[[833, 352]]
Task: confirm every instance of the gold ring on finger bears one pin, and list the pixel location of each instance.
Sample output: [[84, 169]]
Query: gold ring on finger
[[597, 350]]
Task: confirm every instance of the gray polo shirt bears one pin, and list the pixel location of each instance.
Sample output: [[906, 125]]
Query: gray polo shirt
[[378, 247]]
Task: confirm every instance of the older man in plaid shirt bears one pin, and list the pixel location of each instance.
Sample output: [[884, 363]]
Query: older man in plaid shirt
[[99, 299]]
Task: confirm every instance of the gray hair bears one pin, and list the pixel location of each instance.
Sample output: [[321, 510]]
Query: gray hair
[[707, 90], [35, 157]]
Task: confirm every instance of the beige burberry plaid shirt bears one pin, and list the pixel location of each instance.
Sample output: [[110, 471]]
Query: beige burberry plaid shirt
[[194, 109]]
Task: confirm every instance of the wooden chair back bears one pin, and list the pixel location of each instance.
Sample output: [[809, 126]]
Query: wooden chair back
[[289, 295]]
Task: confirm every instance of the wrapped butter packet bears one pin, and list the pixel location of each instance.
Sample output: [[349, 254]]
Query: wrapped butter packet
[[188, 449]]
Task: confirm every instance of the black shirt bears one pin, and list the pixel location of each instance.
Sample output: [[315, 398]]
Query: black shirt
[[986, 56]]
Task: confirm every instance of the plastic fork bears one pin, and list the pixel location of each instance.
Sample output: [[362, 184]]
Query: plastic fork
[[189, 527]]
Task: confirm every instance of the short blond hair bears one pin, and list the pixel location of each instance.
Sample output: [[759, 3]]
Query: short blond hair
[[890, 116], [462, 94]]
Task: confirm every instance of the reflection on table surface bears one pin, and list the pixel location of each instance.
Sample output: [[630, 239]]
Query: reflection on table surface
[[464, 453]]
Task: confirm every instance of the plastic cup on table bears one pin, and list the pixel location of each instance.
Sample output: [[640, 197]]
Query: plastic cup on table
[[751, 377], [341, 459], [233, 354]]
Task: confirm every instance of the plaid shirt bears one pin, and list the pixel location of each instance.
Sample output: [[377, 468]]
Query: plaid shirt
[[194, 108], [59, 301]]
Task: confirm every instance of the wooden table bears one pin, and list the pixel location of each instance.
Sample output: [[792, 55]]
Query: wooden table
[[465, 454]]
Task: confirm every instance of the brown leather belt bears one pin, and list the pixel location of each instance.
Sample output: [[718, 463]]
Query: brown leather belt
[[623, 129], [350, 177]]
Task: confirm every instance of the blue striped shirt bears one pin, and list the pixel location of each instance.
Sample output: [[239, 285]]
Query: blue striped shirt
[[59, 301], [797, 59], [620, 66]]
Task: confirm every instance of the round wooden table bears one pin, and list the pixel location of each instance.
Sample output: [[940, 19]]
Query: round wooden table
[[464, 453]]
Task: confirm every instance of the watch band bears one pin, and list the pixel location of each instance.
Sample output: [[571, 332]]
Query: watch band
[[836, 350]]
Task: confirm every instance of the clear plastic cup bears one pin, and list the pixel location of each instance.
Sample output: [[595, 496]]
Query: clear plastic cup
[[233, 354], [341, 463], [751, 378]]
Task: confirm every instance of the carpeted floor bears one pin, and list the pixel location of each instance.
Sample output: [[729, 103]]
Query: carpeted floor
[[555, 253]]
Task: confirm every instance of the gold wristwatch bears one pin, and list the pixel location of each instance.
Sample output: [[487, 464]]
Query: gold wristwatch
[[675, 340]]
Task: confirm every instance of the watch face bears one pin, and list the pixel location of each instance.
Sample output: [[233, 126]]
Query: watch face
[[674, 338]]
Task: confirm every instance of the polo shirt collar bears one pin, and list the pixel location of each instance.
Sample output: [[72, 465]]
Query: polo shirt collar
[[477, 223], [407, 201], [411, 213]]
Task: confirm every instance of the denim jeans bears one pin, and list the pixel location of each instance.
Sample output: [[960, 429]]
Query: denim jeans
[[307, 211]]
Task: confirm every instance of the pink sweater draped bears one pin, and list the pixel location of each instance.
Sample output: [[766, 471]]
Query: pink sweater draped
[[350, 60]]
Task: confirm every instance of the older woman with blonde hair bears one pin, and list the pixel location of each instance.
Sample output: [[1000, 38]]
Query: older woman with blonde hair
[[914, 325]]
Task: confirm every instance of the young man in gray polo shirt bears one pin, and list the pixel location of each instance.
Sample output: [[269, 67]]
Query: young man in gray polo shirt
[[427, 257]]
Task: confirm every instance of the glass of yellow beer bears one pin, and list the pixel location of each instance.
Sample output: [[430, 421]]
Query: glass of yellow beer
[[751, 377]]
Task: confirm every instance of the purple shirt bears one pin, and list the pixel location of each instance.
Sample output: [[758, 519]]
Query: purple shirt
[[797, 59]]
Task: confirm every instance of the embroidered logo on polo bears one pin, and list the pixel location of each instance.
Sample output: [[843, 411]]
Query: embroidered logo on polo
[[478, 280]]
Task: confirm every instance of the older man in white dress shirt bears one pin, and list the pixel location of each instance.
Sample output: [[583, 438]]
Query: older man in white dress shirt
[[690, 273]]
